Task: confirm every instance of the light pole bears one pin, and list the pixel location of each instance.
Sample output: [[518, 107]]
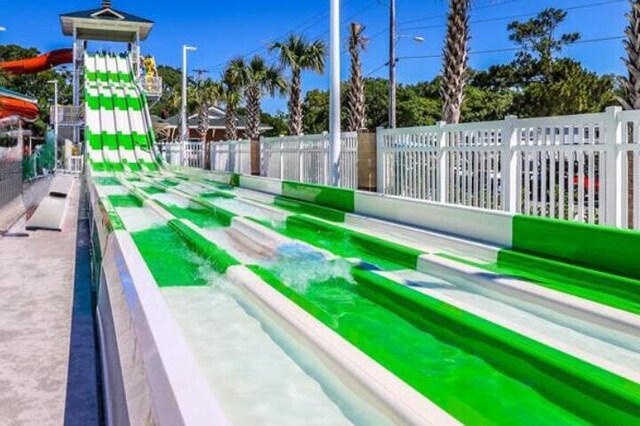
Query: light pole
[[392, 63], [393, 41], [55, 122], [184, 132], [334, 90]]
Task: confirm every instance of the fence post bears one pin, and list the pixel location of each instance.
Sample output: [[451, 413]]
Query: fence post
[[281, 158], [613, 171], [300, 161], [212, 156], [509, 166], [442, 171], [380, 169], [262, 167], [202, 156]]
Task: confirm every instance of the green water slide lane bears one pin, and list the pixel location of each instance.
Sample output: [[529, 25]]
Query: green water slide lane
[[477, 371]]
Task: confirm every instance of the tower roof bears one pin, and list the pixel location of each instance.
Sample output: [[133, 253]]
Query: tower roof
[[105, 23]]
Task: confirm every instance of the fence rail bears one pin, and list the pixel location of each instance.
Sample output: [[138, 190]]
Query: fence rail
[[306, 158], [231, 156], [183, 154], [582, 167]]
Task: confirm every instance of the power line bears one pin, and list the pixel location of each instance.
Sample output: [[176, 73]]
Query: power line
[[429, 18], [522, 15], [502, 50], [305, 26]]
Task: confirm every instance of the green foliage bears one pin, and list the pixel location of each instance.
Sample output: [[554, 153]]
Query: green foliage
[[316, 112], [418, 105], [537, 40], [538, 83], [278, 122], [35, 85], [171, 84]]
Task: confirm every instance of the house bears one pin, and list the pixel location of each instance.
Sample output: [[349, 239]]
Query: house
[[169, 130]]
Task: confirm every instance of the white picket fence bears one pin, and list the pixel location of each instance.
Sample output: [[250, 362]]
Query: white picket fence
[[231, 156], [183, 154], [306, 158], [570, 167]]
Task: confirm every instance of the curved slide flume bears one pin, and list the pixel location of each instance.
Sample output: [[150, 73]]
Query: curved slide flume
[[11, 104], [16, 105], [39, 63]]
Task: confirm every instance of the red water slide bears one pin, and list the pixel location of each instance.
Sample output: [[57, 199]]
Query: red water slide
[[15, 105], [12, 106], [39, 63]]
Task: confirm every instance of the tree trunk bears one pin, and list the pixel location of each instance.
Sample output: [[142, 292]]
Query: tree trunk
[[295, 104], [356, 101], [253, 112], [455, 61], [631, 99], [231, 123]]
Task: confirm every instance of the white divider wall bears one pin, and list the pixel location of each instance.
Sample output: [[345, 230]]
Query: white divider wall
[[231, 156], [584, 168], [305, 158]]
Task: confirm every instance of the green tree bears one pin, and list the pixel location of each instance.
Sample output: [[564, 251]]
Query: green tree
[[315, 110], [630, 84], [35, 85], [231, 95], [277, 122], [540, 81], [539, 43], [298, 54], [171, 82], [257, 80], [204, 94]]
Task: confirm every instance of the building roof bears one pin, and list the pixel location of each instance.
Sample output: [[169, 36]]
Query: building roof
[[15, 95], [105, 23]]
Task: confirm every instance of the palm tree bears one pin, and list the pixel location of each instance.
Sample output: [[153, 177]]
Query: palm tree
[[204, 94], [631, 86], [258, 79], [355, 98], [631, 83], [299, 55], [231, 95], [456, 54]]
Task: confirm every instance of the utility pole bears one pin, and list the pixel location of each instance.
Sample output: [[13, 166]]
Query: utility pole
[[392, 63], [55, 122], [334, 89], [199, 72], [184, 133]]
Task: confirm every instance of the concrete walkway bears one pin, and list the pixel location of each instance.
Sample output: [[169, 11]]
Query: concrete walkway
[[36, 309]]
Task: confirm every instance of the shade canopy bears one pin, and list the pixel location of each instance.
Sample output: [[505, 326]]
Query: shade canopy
[[105, 24]]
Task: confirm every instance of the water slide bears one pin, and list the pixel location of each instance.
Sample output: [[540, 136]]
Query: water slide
[[296, 303], [39, 63], [13, 104], [118, 125]]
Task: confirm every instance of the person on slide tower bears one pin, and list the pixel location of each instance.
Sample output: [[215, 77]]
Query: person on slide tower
[[150, 70]]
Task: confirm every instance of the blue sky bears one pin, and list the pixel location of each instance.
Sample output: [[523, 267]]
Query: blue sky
[[224, 29]]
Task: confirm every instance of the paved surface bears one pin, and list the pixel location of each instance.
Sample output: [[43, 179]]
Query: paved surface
[[36, 308]]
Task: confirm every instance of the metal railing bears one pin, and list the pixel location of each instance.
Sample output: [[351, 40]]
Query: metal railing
[[68, 115], [231, 156], [152, 86], [306, 158], [584, 168]]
